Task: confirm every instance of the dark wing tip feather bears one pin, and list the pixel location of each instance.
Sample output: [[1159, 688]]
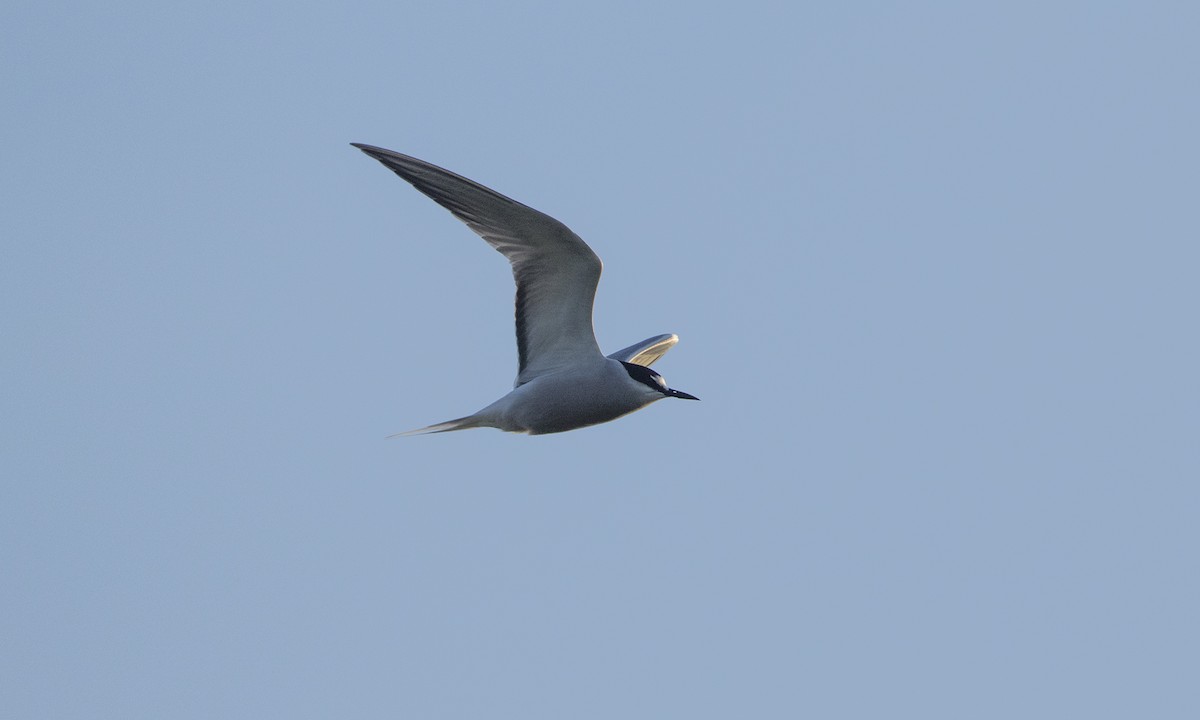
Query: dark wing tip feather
[[411, 169]]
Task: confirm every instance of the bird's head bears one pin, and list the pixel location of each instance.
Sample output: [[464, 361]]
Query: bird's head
[[654, 383]]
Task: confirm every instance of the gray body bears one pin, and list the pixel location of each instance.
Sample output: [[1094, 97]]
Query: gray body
[[563, 381], [575, 397]]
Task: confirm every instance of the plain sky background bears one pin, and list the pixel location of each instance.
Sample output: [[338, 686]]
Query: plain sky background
[[934, 267]]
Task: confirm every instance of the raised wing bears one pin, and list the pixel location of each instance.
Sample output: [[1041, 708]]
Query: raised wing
[[647, 351], [556, 272]]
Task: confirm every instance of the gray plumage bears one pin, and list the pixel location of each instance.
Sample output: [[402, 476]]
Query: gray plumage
[[563, 381]]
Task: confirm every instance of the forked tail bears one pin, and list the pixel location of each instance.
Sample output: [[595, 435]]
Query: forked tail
[[462, 423]]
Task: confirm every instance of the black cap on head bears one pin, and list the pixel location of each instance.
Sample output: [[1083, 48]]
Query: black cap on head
[[654, 381]]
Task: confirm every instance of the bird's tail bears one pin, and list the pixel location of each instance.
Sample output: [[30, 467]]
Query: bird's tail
[[462, 423]]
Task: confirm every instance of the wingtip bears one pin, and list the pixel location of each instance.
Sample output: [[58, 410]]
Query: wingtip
[[373, 150], [383, 155]]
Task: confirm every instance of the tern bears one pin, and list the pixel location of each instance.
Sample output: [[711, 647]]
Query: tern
[[563, 381]]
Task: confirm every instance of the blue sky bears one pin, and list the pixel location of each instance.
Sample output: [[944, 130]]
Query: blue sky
[[933, 266]]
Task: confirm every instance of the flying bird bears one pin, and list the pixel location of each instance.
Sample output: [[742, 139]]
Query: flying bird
[[563, 382]]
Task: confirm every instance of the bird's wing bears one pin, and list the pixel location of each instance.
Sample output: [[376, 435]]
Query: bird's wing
[[647, 351], [556, 272]]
